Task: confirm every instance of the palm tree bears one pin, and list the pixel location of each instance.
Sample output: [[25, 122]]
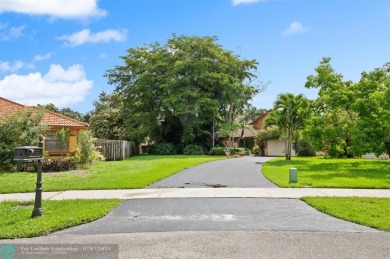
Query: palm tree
[[287, 115]]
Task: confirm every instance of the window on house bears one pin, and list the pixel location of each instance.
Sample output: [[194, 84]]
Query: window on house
[[52, 143]]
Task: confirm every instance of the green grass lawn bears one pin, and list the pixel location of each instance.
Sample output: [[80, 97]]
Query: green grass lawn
[[327, 172], [371, 212], [136, 172], [16, 221]]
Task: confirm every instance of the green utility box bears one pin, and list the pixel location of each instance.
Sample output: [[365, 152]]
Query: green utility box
[[293, 175]]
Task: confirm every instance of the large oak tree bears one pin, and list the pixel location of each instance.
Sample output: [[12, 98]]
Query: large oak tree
[[176, 92]]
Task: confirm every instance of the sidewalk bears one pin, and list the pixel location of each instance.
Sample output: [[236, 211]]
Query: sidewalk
[[289, 193]]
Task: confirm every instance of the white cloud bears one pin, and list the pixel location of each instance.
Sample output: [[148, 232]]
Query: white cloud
[[238, 2], [68, 9], [85, 36], [11, 33], [6, 66], [295, 28], [62, 87], [43, 57], [103, 55]]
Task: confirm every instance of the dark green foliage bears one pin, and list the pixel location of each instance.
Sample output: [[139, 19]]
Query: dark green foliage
[[349, 119], [107, 122], [303, 148], [249, 143], [57, 164], [239, 151], [176, 92], [271, 133], [163, 149], [21, 129], [217, 151], [193, 150], [172, 131]]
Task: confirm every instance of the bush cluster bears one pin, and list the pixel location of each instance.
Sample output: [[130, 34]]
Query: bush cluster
[[86, 151], [239, 151], [193, 150], [58, 164], [257, 151], [303, 148], [220, 151], [163, 149], [217, 151], [20, 129]]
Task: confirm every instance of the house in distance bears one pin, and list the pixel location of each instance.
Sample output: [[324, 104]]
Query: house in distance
[[54, 121]]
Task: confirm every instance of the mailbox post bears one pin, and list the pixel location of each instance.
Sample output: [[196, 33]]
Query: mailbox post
[[31, 153]]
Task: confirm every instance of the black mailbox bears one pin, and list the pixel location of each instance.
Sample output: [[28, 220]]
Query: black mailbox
[[27, 153]]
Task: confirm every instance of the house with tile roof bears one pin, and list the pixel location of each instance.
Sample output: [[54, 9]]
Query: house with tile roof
[[54, 121], [244, 137]]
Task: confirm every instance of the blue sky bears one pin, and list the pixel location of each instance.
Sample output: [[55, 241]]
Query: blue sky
[[57, 51]]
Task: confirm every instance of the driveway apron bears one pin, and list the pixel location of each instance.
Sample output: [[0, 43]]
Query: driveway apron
[[242, 172], [216, 214]]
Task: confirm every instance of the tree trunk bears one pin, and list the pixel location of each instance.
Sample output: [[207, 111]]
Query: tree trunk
[[288, 154], [213, 131], [387, 146]]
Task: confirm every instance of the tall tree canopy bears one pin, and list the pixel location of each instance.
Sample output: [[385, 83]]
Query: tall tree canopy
[[106, 121], [350, 119], [175, 92], [372, 105], [332, 120]]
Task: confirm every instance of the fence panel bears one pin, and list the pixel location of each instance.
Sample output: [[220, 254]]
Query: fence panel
[[114, 150]]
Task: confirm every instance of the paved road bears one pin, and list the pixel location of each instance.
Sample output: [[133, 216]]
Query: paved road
[[221, 244], [222, 214], [243, 172]]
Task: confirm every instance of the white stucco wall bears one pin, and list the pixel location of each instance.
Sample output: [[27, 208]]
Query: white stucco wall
[[277, 148]]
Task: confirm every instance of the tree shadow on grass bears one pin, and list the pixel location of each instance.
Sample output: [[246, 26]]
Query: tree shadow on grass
[[279, 163], [352, 175]]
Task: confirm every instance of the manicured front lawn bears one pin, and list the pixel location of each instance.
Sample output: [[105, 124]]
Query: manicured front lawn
[[136, 172], [371, 212], [328, 173], [16, 221]]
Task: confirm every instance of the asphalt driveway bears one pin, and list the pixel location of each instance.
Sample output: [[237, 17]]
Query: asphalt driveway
[[243, 172], [210, 214]]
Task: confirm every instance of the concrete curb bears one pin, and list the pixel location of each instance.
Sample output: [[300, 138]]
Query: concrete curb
[[289, 193]]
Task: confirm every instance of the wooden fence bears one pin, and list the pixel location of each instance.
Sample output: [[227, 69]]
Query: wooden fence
[[114, 150]]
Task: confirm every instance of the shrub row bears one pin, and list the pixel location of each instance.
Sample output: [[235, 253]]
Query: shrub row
[[58, 164], [217, 151], [169, 149], [220, 151]]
